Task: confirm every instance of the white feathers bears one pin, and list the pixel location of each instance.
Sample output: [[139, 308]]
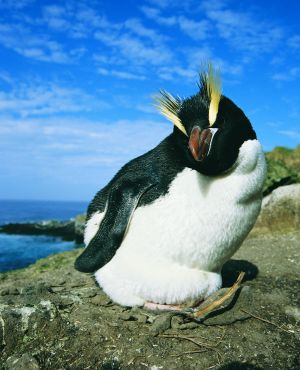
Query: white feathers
[[92, 226]]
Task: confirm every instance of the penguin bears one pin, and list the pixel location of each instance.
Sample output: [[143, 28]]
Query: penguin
[[160, 231]]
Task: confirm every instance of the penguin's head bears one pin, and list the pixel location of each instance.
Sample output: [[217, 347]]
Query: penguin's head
[[208, 127]]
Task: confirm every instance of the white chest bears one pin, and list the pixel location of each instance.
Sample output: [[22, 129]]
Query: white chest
[[201, 221]]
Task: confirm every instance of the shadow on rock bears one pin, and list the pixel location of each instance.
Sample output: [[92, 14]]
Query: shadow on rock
[[232, 268]]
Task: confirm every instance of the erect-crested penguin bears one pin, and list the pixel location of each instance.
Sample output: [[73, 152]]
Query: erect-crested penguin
[[162, 228]]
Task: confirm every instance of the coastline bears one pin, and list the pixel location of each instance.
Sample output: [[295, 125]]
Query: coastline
[[71, 230]]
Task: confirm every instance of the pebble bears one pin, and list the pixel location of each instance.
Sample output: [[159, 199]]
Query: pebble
[[5, 292], [133, 316], [10, 291], [100, 300], [161, 324], [87, 292], [293, 312], [65, 302], [127, 316], [178, 322], [57, 289], [26, 361], [38, 288]]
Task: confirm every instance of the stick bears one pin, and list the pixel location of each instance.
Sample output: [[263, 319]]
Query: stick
[[212, 306], [190, 352], [199, 344], [267, 321]]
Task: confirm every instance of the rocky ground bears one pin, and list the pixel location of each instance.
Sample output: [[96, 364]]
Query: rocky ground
[[53, 317]]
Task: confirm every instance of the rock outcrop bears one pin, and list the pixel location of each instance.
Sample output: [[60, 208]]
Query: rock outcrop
[[281, 209], [67, 230]]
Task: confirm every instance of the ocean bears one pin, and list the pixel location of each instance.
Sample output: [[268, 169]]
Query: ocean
[[17, 251]]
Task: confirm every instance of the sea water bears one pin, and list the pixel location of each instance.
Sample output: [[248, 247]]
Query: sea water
[[18, 251]]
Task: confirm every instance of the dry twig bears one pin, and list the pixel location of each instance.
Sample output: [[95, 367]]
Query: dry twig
[[267, 321], [212, 306], [220, 338], [199, 344], [204, 347], [190, 352]]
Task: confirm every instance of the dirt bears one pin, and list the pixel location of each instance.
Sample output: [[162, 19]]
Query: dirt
[[53, 317]]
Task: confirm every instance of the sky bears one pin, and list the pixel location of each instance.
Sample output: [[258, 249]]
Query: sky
[[77, 80]]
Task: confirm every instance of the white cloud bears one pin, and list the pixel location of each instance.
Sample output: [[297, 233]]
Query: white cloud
[[144, 103], [133, 49], [294, 42], [20, 39], [277, 60], [120, 74], [292, 134], [6, 77], [290, 74], [197, 30], [77, 20], [146, 108], [274, 124], [37, 99], [55, 17], [79, 142], [172, 72], [13, 4], [105, 59], [92, 18], [243, 30], [197, 56], [155, 14], [228, 68], [187, 5], [137, 28], [162, 3]]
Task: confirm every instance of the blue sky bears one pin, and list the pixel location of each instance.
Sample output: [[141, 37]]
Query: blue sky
[[77, 80]]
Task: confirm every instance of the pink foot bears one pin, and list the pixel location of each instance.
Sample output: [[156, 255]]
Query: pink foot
[[163, 307]]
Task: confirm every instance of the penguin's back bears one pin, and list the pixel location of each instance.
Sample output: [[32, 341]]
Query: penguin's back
[[160, 165]]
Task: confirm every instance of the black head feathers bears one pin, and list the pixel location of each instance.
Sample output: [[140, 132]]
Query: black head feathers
[[214, 127]]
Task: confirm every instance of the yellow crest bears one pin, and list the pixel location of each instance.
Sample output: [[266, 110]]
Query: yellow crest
[[170, 106], [210, 81], [210, 85]]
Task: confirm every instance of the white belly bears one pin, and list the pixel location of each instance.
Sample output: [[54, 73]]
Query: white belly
[[196, 226], [200, 228]]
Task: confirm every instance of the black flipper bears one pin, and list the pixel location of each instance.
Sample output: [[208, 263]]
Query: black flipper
[[122, 201]]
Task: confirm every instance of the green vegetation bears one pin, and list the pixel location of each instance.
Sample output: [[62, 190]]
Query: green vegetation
[[283, 168]]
